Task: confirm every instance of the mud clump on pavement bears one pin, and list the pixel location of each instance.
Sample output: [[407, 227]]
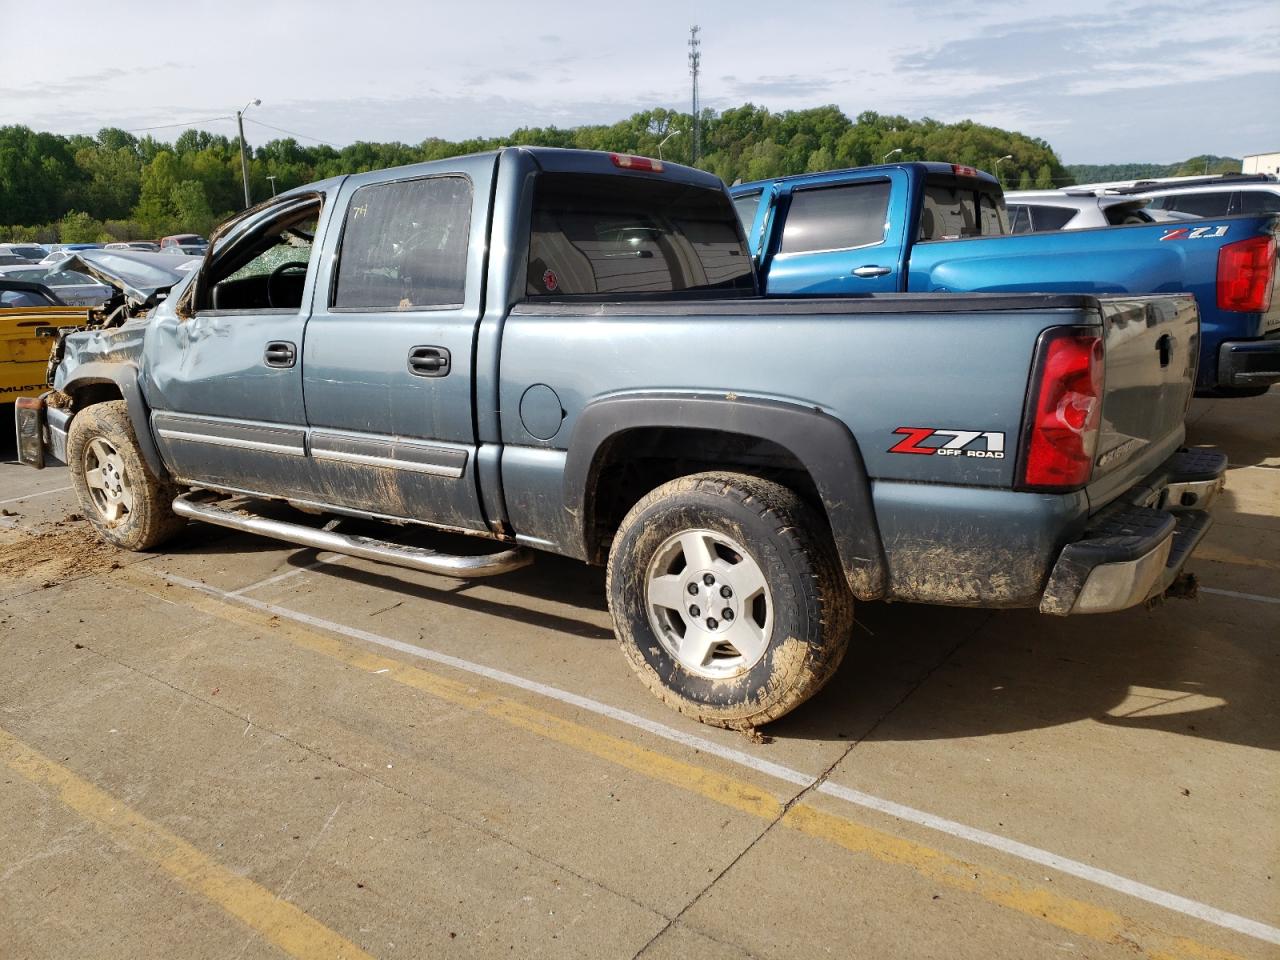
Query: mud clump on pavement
[[67, 550]]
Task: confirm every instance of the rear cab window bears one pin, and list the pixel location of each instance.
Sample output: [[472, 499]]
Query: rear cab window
[[955, 208], [594, 235]]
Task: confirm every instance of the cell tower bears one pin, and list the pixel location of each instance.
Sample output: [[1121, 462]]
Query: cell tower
[[695, 64]]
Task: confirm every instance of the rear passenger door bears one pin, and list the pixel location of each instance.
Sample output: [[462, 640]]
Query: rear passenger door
[[387, 371], [839, 239]]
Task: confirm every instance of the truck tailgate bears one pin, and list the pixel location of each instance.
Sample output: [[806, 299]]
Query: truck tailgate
[[1151, 345]]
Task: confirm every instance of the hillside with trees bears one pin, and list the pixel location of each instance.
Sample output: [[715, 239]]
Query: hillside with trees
[[1105, 172], [116, 186]]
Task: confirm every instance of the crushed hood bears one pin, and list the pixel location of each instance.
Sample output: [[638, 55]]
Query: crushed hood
[[141, 277]]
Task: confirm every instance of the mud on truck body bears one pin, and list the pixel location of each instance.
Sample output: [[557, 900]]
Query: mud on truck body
[[567, 351]]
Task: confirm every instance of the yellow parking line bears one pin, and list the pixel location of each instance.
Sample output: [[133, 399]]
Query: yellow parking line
[[1066, 913], [278, 922]]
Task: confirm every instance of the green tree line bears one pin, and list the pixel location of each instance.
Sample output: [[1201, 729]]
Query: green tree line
[[116, 186], [1105, 172]]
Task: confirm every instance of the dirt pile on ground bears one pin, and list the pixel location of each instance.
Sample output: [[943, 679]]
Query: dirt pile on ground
[[64, 550]]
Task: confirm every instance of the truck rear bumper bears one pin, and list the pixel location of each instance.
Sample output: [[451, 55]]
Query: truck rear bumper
[[1249, 363], [1135, 548], [42, 431]]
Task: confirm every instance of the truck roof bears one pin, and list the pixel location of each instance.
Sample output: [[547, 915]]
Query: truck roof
[[915, 167], [551, 160]]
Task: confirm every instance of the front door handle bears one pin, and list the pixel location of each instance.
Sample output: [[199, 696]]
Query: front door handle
[[871, 270], [429, 362], [280, 353]]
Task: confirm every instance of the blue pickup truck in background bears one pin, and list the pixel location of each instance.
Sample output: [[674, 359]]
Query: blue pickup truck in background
[[940, 227]]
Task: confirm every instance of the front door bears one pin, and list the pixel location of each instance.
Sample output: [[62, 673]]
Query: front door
[[387, 360], [224, 376]]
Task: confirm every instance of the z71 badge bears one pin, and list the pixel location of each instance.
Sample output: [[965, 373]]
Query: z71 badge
[[953, 443]]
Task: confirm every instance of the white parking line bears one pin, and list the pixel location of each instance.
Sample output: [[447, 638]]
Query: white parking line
[[319, 562], [1260, 598], [1103, 878], [38, 493]]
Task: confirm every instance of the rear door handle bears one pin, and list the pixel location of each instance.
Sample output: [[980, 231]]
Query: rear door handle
[[280, 353], [871, 270], [429, 362]]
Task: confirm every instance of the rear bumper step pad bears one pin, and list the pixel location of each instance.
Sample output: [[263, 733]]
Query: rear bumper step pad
[[1131, 553]]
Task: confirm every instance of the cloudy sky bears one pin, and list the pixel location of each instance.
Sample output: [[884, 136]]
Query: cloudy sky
[[1100, 80]]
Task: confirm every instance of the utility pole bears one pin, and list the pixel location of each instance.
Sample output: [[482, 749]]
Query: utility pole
[[695, 65], [244, 157]]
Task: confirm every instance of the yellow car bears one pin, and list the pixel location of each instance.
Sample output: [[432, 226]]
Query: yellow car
[[30, 316]]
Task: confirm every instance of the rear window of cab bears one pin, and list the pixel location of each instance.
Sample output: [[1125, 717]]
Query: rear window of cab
[[621, 235], [954, 208]]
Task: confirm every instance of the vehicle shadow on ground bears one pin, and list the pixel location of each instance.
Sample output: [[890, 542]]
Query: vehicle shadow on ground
[[1244, 428], [964, 674], [934, 673]]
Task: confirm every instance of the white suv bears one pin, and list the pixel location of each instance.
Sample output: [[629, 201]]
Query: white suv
[[1223, 199]]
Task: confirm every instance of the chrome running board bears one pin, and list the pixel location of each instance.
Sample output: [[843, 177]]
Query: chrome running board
[[414, 558]]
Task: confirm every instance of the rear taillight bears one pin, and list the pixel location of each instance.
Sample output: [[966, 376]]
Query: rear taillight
[[1245, 271], [629, 162], [963, 171], [1061, 432]]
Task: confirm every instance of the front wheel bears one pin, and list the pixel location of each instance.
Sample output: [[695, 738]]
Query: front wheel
[[728, 598], [126, 503]]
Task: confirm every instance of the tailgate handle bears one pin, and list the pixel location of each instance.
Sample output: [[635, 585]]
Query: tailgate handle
[[871, 270], [1165, 346]]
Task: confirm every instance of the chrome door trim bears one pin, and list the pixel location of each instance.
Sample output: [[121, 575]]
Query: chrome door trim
[[434, 459], [230, 433]]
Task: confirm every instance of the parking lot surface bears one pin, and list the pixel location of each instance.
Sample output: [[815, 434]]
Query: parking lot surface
[[241, 749]]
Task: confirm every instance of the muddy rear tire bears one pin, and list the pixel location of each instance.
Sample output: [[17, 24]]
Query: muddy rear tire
[[728, 598], [126, 503]]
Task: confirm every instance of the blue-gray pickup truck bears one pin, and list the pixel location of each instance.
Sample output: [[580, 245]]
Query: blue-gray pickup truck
[[568, 351]]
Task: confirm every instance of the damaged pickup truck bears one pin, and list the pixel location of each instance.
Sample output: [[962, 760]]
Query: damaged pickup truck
[[567, 351]]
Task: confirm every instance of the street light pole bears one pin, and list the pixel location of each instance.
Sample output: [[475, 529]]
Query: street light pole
[[885, 158], [664, 140], [1007, 156], [272, 178], [244, 157]]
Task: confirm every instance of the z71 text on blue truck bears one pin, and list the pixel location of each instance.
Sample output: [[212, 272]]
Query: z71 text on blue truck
[[939, 227], [567, 351]]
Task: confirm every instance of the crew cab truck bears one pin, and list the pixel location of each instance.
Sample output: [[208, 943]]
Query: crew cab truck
[[566, 351], [940, 227]]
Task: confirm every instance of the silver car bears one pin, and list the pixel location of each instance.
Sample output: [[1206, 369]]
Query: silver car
[[1033, 211], [141, 246], [30, 252], [73, 288]]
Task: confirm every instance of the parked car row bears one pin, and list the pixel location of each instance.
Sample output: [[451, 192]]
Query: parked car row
[[1083, 208], [179, 244]]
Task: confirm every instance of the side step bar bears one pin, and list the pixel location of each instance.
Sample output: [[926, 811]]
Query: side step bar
[[415, 558]]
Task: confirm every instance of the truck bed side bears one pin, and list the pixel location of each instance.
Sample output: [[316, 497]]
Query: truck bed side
[[1149, 258]]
